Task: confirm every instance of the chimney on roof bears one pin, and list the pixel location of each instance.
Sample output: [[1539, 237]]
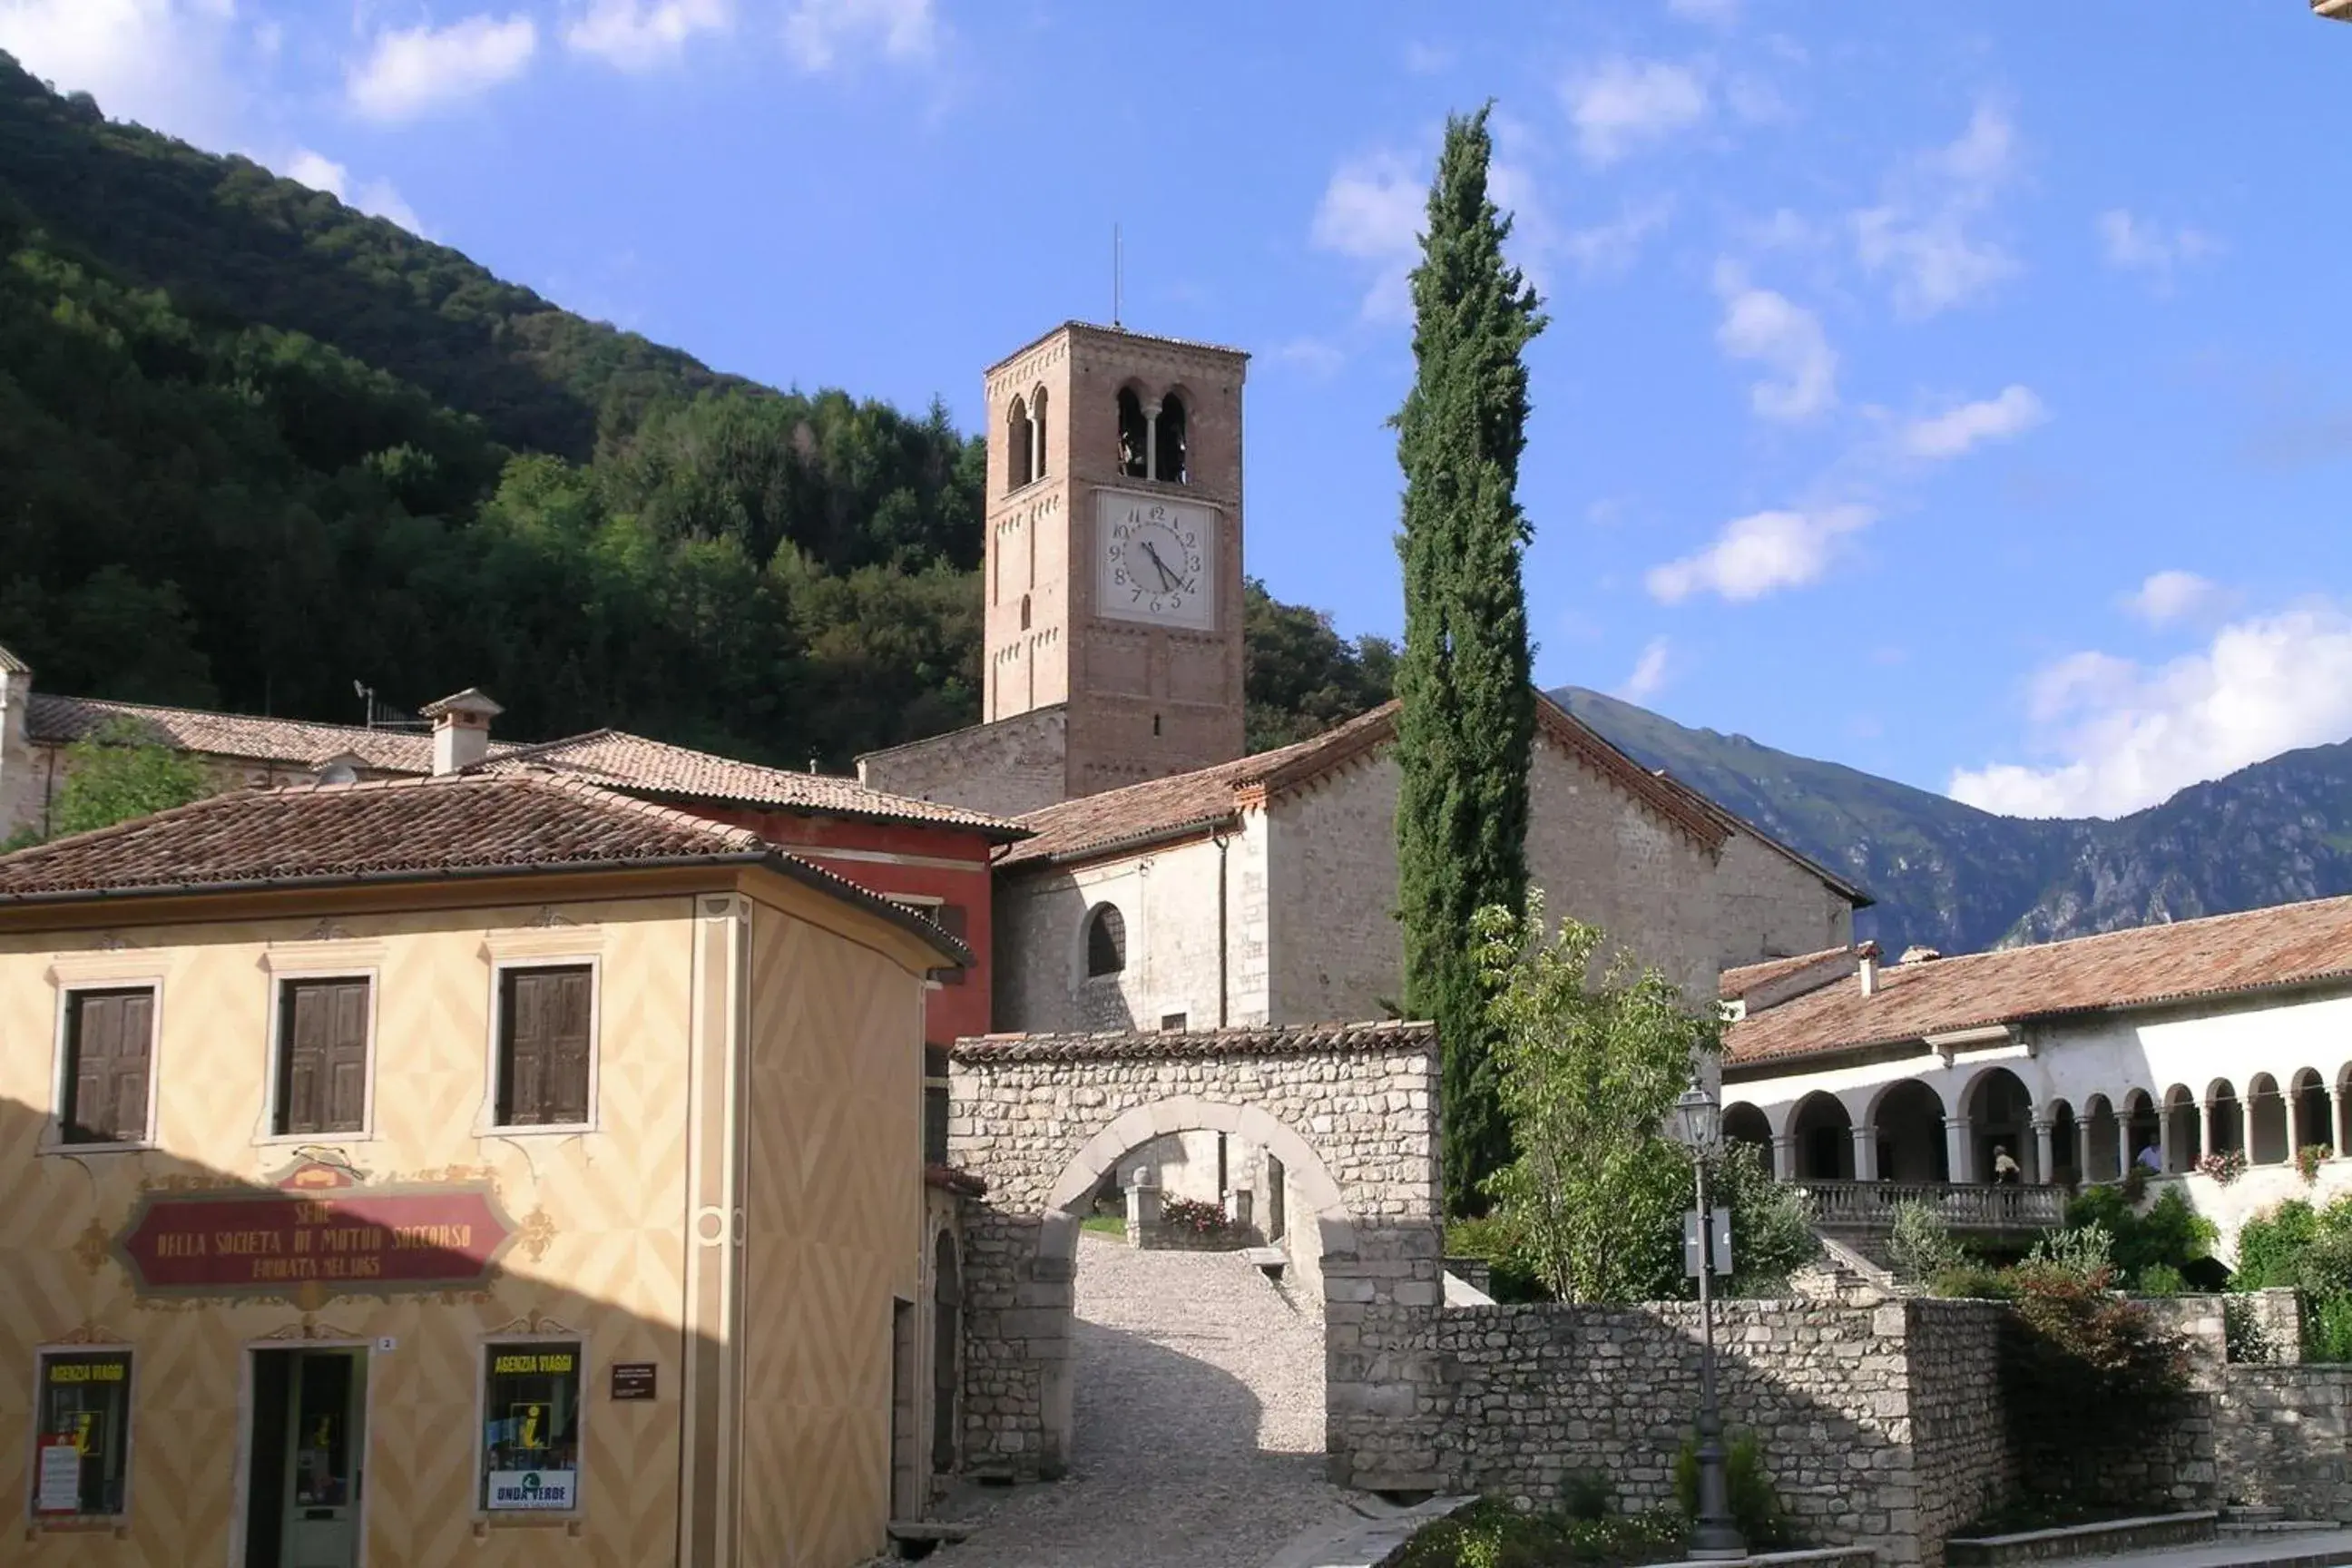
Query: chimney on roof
[[1866, 967], [1919, 952], [461, 728]]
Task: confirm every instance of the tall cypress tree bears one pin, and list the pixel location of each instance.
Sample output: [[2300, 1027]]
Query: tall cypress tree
[[1465, 676]]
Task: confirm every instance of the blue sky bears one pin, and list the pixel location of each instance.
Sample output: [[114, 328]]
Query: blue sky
[[1958, 391]]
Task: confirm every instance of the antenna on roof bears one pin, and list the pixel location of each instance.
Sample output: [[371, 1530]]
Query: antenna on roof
[[1117, 258]]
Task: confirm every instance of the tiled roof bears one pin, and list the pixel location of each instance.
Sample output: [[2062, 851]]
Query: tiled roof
[[632, 763], [403, 830], [1266, 1040], [294, 743], [1193, 802], [1739, 981], [2260, 949], [11, 665]]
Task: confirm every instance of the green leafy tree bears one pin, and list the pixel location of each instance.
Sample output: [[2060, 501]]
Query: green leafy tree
[[118, 771], [1588, 1071], [1303, 677], [1467, 717], [1772, 1231]]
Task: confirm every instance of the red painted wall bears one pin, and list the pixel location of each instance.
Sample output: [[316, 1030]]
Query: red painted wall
[[952, 866]]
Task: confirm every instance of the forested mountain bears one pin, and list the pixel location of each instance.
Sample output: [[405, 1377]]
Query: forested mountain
[[1958, 878], [255, 446]]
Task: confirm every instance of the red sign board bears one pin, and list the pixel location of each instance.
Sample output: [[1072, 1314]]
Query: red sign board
[[319, 1229]]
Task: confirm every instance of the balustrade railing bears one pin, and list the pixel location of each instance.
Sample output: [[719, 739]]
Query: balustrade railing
[[1961, 1205]]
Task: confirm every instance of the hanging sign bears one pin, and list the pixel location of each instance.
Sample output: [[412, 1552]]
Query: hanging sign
[[320, 1227]]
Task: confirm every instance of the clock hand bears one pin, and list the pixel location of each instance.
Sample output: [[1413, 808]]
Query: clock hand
[[1166, 576]]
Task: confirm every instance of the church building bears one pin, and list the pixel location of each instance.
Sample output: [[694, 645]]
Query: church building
[[1170, 881]]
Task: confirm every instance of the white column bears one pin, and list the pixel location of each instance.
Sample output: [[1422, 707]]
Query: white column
[[1784, 1157], [2042, 1151], [1956, 1148], [2204, 1127], [2246, 1127], [2294, 1129], [2335, 1117], [2164, 1135], [1865, 1154], [1152, 439]]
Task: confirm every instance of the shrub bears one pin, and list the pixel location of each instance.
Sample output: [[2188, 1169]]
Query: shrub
[[2082, 1251], [1772, 1232], [1194, 1216], [2271, 1246], [2170, 1233], [2310, 1157], [1511, 1274], [2160, 1279], [2224, 1166], [1755, 1506], [2108, 1347], [2327, 1330], [2243, 1337], [1974, 1282], [1491, 1534], [1922, 1247]]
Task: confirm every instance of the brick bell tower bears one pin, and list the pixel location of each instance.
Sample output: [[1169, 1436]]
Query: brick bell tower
[[1114, 551]]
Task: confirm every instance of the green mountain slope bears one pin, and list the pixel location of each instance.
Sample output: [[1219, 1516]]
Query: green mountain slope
[[1958, 878]]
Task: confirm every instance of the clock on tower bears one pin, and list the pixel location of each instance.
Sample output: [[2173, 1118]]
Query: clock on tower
[[1114, 551]]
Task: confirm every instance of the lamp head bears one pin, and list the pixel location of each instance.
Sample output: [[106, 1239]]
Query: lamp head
[[1698, 1120]]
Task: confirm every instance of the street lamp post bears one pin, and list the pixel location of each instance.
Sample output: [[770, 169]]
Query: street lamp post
[[1714, 1536]]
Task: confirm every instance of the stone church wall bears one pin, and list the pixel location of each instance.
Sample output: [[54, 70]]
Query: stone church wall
[[1769, 906], [1007, 768]]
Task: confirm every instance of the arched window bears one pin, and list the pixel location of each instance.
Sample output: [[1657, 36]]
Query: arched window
[[1018, 435], [1038, 418], [1134, 436], [1106, 941], [1168, 464]]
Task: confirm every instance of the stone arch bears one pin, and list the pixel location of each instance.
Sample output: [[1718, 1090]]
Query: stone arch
[[1020, 445], [1908, 1120], [2313, 1111], [2266, 1143], [2142, 1128], [1746, 1123], [2183, 1121], [2225, 1114], [2104, 1153], [2066, 1144], [1134, 439], [2000, 1110], [1822, 1130]]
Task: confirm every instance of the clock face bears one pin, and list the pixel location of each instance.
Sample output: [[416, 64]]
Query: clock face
[[1157, 560]]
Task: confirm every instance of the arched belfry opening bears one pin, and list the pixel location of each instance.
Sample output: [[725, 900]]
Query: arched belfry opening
[[1106, 941], [1020, 436], [1169, 451], [1134, 436], [1038, 469]]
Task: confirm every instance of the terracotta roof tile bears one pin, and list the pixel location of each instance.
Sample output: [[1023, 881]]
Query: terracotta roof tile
[[634, 763], [293, 742], [426, 829], [1193, 802], [2286, 945], [1269, 1040]]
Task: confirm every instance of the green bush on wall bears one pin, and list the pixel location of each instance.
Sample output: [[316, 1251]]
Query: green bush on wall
[[1755, 1506]]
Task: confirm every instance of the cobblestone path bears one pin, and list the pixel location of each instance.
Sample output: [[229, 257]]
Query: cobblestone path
[[1199, 1408]]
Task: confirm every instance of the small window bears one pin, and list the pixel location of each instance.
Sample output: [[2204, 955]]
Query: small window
[[1037, 422], [1134, 436], [81, 1459], [954, 919], [322, 1049], [109, 1052], [935, 1105], [1173, 1023], [1106, 942], [544, 1045], [1170, 456], [531, 1428], [1018, 436]]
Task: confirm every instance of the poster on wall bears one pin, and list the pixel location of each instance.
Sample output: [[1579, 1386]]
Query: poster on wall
[[534, 1489], [57, 1479]]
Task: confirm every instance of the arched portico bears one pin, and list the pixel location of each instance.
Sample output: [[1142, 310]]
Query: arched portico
[[2000, 1111], [1347, 1113], [1908, 1119], [1822, 1130]]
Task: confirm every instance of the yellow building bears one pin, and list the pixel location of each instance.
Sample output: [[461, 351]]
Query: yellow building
[[466, 1170]]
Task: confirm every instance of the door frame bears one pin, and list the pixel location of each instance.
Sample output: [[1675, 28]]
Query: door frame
[[242, 1480]]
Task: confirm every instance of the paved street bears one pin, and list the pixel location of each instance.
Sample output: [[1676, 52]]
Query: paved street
[[1200, 1425]]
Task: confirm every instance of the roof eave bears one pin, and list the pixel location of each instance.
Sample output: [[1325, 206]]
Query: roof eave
[[1148, 838]]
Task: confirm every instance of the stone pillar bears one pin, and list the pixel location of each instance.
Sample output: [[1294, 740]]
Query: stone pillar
[[1865, 1154], [2296, 1138], [2335, 1117], [2164, 1136], [2042, 1151], [1784, 1157], [2246, 1125], [1142, 1204], [1956, 1148], [2204, 1127], [1152, 439]]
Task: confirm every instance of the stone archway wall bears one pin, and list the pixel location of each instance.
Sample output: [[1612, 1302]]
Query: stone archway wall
[[1352, 1111]]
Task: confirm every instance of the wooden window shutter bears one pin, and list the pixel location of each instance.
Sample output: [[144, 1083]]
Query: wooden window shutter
[[322, 1061], [110, 1035], [544, 1047]]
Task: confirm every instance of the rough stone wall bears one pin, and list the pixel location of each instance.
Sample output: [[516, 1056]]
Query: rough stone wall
[[1167, 899], [1767, 905], [1851, 1405], [2282, 1436], [1013, 766], [1353, 1119]]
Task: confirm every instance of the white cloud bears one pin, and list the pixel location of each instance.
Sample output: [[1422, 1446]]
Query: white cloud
[[318, 172], [1958, 431], [1313, 356], [1719, 13], [411, 70], [1623, 103], [159, 62], [2128, 736], [376, 197], [1650, 672], [1761, 325], [1372, 211], [2137, 245], [1924, 234], [1614, 246], [1759, 554], [2168, 596], [638, 35], [819, 32]]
